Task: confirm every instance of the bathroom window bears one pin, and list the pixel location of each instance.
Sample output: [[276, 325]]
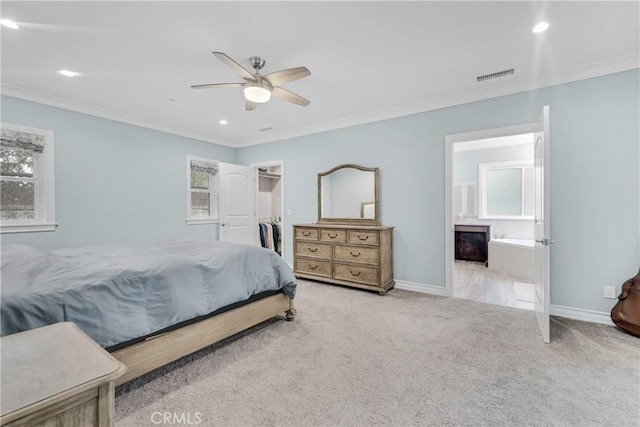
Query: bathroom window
[[506, 190]]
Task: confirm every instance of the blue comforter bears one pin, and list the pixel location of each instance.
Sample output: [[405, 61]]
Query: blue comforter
[[118, 293]]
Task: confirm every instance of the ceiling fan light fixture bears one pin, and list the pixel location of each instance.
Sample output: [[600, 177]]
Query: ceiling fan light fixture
[[257, 94], [257, 88]]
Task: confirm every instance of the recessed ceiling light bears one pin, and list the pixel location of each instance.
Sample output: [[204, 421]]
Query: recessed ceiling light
[[542, 26], [69, 73], [223, 122], [9, 24]]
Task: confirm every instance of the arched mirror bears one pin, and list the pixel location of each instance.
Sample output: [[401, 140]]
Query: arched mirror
[[348, 194]]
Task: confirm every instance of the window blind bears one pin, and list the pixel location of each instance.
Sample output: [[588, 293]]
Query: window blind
[[17, 140], [206, 167]]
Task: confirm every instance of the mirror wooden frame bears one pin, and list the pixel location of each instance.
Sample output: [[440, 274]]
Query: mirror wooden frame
[[360, 221]]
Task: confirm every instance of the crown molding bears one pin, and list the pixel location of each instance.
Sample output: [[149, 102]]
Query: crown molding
[[485, 91], [93, 110]]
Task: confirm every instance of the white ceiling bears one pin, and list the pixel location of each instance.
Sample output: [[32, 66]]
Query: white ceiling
[[368, 60]]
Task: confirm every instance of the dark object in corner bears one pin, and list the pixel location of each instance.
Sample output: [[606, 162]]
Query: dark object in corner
[[626, 313]]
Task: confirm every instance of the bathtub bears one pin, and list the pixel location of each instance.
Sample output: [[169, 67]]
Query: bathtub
[[514, 257]]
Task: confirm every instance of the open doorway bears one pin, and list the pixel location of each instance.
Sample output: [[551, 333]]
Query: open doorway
[[541, 207], [492, 219], [270, 204]]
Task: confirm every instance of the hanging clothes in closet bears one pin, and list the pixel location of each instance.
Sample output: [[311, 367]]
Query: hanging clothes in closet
[[270, 233]]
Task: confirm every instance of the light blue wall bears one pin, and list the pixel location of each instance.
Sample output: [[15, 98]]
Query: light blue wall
[[120, 183], [114, 182], [595, 180]]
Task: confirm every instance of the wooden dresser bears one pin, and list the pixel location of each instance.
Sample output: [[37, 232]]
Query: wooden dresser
[[57, 376], [360, 256]]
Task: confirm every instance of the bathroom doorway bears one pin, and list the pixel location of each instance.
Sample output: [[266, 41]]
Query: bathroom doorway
[[491, 216]]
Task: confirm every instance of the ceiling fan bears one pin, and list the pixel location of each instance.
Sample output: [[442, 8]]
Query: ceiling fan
[[258, 89]]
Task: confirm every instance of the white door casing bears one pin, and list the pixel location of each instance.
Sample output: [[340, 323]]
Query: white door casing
[[238, 221], [542, 225]]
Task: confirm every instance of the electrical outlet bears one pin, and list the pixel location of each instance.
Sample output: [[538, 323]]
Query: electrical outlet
[[610, 292]]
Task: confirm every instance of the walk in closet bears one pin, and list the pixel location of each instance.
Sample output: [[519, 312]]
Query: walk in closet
[[269, 207]]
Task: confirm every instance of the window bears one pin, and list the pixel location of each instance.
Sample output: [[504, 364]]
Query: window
[[26, 179], [202, 194], [507, 190]]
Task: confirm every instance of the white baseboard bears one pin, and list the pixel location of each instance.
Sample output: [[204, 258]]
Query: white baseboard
[[421, 287], [580, 314], [555, 310]]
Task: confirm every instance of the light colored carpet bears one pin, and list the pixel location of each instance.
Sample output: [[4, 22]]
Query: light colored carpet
[[525, 292], [354, 358]]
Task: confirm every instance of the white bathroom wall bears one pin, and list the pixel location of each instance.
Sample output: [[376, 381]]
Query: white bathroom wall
[[466, 171]]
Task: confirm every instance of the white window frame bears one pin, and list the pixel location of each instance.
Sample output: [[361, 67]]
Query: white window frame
[[483, 169], [44, 187], [213, 218]]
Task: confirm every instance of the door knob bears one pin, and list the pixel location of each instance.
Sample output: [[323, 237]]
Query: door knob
[[545, 242]]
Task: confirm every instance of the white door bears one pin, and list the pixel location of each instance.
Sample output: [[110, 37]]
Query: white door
[[541, 226], [238, 221]]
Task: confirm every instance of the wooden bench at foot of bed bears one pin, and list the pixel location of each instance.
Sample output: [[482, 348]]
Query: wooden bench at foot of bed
[[159, 350]]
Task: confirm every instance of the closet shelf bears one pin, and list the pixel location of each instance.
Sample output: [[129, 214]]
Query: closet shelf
[[269, 175]]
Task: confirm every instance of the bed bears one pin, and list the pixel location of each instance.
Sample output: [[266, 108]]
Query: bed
[[147, 304]]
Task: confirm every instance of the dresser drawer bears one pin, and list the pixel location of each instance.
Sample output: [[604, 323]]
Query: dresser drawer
[[363, 237], [306, 233], [356, 254], [353, 273], [315, 250], [327, 235], [313, 266]]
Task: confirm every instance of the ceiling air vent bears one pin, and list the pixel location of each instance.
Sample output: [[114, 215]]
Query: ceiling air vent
[[265, 129], [495, 75]]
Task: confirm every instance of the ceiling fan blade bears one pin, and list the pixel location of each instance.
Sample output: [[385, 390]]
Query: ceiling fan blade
[[250, 106], [217, 85], [289, 96], [285, 76], [234, 66]]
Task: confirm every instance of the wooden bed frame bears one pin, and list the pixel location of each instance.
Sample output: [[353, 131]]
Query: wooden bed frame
[[158, 350]]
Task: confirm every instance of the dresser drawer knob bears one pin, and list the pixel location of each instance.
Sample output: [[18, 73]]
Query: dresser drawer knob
[[355, 255], [313, 267], [306, 233], [313, 249], [356, 274], [332, 236], [365, 238]]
